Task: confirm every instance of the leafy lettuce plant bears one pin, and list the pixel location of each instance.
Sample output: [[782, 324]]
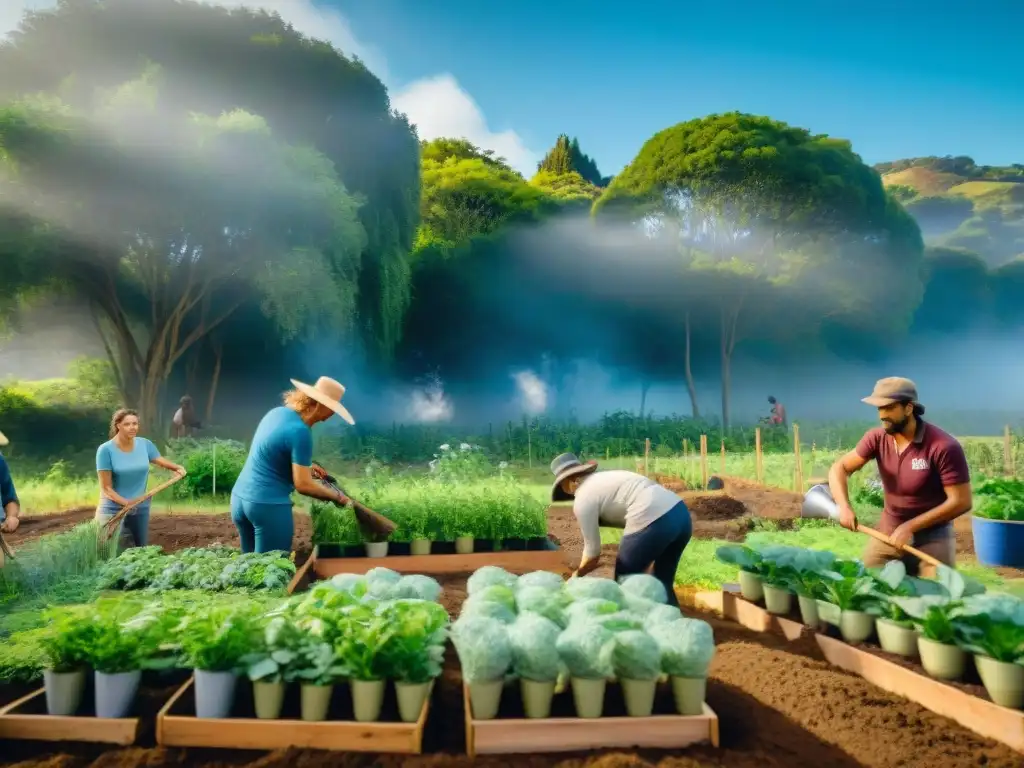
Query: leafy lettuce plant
[[809, 571], [743, 557], [993, 626], [586, 649], [482, 644], [414, 650], [687, 647], [219, 639], [636, 656], [121, 643], [533, 640], [938, 616], [362, 635], [68, 640]]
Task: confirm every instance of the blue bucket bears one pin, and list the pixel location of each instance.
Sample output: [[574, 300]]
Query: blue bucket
[[998, 542]]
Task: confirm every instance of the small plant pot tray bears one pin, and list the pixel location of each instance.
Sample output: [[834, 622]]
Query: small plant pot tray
[[520, 735], [178, 726], [522, 561], [26, 719], [972, 712]]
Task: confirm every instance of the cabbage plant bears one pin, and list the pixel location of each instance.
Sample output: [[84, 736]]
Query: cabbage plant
[[592, 587], [687, 647], [586, 649], [635, 655], [743, 557], [643, 586], [488, 576], [993, 626], [533, 640], [482, 644]]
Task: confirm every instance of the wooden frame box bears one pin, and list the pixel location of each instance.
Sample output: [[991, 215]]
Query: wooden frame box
[[177, 726], [984, 717], [503, 736], [519, 561], [26, 719]]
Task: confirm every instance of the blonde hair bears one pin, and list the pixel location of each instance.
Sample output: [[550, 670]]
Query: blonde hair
[[120, 415], [299, 402]]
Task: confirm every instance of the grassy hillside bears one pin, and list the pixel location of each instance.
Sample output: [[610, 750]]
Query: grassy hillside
[[960, 204]]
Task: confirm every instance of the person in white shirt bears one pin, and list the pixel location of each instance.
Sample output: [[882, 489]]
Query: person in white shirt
[[656, 523]]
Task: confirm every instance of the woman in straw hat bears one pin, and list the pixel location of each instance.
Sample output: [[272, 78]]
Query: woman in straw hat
[[10, 507], [656, 523], [279, 462]]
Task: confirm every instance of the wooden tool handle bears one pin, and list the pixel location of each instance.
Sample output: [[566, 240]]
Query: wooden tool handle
[[5, 550], [906, 547], [108, 527]]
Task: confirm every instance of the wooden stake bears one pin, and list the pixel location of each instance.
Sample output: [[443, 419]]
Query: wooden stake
[[647, 457], [607, 453], [1008, 466], [758, 457], [704, 461], [799, 475], [721, 464]]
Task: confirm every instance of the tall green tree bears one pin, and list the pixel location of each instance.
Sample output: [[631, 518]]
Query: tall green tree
[[566, 157], [169, 222], [759, 203], [215, 60]]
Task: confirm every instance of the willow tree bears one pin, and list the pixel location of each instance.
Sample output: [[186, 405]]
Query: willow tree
[[215, 60], [168, 222], [759, 203]]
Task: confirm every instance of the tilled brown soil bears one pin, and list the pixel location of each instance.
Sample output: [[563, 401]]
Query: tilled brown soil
[[780, 704]]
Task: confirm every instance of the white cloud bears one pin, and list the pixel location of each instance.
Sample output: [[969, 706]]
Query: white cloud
[[437, 105]]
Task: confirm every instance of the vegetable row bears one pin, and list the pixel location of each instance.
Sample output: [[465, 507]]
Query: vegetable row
[[587, 631], [941, 621], [354, 631], [208, 568], [427, 511]]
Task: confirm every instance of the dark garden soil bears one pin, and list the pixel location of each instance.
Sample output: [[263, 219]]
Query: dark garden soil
[[779, 703]]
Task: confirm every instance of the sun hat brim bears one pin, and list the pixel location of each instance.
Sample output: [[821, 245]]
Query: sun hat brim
[[323, 399], [557, 493], [4, 440]]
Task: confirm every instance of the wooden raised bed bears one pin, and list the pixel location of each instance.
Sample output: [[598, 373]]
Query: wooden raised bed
[[26, 719], [516, 561], [972, 712], [515, 735], [178, 726]]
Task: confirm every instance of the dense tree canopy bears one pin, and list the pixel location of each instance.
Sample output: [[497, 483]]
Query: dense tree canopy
[[217, 186]]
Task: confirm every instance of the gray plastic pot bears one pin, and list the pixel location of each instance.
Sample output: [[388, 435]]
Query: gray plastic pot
[[856, 626], [777, 600], [367, 699], [64, 691], [115, 692], [588, 696], [376, 548], [537, 696], [808, 610], [639, 696], [419, 547], [268, 698], [689, 693], [215, 693], [464, 545], [895, 638], [1003, 680], [315, 701], [751, 586], [485, 698], [411, 697], [941, 661]]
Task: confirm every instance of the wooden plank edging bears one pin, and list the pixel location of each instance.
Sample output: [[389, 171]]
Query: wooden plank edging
[[979, 715], [434, 565], [122, 731]]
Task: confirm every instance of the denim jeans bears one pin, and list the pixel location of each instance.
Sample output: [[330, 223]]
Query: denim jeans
[[263, 527], [661, 543], [136, 521]]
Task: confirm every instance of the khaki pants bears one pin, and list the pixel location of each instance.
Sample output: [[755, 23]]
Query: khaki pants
[[940, 543]]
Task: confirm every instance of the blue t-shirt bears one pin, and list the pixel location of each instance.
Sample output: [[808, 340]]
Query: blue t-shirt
[[281, 439], [130, 470]]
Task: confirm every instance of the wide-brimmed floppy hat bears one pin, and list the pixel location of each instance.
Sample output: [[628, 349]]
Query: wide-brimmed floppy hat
[[3, 439], [564, 467], [327, 392], [893, 389]]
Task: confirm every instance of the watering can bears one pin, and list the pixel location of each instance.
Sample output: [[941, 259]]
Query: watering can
[[819, 505]]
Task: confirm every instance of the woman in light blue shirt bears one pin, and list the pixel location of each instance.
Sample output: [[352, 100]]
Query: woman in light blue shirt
[[122, 464]]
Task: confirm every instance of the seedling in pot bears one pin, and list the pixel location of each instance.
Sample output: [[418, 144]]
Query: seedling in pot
[[485, 656], [66, 654], [749, 562], [992, 628]]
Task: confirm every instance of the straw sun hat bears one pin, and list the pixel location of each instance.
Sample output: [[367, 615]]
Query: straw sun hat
[[327, 392]]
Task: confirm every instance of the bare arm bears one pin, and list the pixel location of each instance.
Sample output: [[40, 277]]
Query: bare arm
[[588, 516], [837, 484], [160, 461], [107, 488], [958, 501], [302, 477]]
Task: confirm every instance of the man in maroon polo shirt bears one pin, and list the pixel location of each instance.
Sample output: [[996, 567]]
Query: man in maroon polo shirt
[[924, 475]]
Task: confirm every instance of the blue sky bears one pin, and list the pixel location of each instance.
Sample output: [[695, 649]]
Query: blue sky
[[898, 78]]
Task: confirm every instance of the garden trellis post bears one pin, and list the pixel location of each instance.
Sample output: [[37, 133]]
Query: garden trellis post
[[798, 474], [758, 457], [1008, 467], [721, 463], [647, 457], [704, 462]]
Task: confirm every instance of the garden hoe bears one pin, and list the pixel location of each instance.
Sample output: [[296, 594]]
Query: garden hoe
[[374, 526], [819, 505], [5, 551], [113, 522]]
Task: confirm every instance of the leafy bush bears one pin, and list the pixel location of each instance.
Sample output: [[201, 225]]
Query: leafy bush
[[1000, 499], [204, 459], [209, 568]]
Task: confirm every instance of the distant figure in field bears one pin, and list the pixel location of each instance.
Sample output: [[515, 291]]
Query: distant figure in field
[[185, 420], [778, 417]]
